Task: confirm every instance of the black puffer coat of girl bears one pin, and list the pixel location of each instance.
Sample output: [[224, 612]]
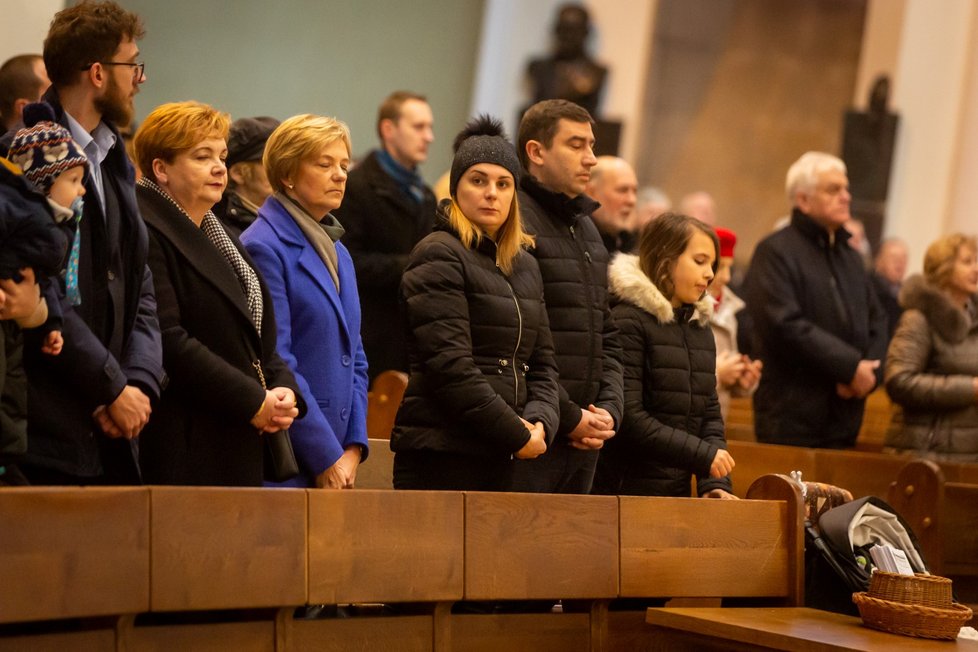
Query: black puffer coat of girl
[[480, 350], [672, 426]]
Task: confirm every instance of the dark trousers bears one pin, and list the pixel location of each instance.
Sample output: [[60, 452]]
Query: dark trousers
[[563, 469], [39, 475], [432, 470]]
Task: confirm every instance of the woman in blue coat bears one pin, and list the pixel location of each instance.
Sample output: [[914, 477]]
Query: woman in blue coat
[[295, 243]]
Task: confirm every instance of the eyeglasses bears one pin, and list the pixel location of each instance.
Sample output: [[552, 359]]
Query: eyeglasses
[[138, 68]]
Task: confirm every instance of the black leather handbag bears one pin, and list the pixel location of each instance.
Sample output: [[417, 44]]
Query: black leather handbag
[[279, 458]]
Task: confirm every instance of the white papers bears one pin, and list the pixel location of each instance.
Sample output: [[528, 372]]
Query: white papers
[[890, 559]]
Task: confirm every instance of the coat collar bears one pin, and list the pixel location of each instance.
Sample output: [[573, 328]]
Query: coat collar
[[815, 232], [567, 209], [950, 322], [194, 246], [628, 282], [285, 228]]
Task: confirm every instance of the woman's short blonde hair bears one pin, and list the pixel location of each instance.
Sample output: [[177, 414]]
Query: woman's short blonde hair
[[176, 127], [941, 256], [510, 238], [297, 139]]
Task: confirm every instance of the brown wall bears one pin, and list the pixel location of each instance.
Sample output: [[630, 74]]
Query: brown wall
[[738, 90]]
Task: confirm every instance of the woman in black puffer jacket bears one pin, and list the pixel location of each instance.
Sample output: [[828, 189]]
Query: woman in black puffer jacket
[[483, 383], [672, 428]]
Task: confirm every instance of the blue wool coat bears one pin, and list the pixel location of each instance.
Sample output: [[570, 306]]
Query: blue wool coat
[[318, 337]]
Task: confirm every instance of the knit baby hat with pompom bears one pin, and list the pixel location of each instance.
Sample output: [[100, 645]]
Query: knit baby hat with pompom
[[43, 149]]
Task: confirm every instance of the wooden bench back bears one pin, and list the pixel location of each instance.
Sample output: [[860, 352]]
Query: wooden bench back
[[689, 547], [383, 400], [943, 515], [67, 552]]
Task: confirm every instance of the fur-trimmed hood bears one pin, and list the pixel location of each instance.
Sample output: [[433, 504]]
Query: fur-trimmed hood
[[628, 282], [950, 322]]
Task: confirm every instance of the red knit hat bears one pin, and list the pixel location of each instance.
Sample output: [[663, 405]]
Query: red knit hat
[[727, 241]]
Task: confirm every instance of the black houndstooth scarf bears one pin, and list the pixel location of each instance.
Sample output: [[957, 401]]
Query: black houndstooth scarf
[[212, 228]]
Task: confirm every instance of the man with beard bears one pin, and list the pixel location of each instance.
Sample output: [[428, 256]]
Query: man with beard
[[87, 405]]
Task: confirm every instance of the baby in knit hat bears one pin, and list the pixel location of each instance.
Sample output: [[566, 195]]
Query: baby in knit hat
[[52, 161]]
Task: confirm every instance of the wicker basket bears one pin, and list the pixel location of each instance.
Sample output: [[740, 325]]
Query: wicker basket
[[918, 605]]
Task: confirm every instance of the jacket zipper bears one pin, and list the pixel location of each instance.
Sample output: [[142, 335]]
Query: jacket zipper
[[519, 340]]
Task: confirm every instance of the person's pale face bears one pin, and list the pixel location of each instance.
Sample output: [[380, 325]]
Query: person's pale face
[[196, 177], [964, 275], [116, 101], [892, 262], [409, 138], [693, 270], [68, 186], [485, 195], [722, 277], [616, 191], [828, 204], [565, 166], [320, 181], [251, 182]]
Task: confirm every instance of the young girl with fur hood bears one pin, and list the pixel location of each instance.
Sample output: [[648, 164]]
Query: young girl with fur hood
[[672, 428]]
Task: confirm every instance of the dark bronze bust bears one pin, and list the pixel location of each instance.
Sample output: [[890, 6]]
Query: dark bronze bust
[[569, 73]]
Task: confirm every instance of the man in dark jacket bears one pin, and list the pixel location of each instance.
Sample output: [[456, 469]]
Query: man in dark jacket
[[556, 148], [387, 209], [87, 405], [818, 326]]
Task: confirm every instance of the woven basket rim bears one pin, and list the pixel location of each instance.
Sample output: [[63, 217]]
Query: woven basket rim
[[912, 619]]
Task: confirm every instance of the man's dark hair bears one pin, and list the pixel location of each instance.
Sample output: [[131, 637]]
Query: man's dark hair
[[663, 241], [540, 123], [84, 34], [390, 108], [17, 81]]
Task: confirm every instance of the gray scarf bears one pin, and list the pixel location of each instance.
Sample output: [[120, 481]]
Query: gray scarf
[[322, 235]]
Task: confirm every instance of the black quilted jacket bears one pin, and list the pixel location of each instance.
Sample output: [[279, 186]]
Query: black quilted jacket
[[672, 427], [480, 350], [574, 264]]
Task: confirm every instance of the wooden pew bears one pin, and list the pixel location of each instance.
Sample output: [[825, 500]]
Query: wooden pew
[[383, 400], [755, 460], [944, 516], [221, 569], [697, 548], [71, 553], [378, 471], [521, 547], [739, 424], [876, 421], [879, 411]]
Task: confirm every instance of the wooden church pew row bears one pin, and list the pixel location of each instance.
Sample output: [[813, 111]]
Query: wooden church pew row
[[944, 516]]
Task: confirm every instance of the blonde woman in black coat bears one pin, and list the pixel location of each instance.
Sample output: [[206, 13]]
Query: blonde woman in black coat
[[483, 383]]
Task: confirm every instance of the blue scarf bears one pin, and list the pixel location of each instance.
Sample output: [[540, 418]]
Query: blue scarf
[[407, 180]]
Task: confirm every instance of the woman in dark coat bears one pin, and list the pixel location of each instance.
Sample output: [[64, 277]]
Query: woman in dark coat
[[227, 385], [483, 383], [672, 428]]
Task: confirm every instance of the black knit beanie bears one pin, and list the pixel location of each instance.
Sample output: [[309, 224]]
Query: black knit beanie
[[483, 141]]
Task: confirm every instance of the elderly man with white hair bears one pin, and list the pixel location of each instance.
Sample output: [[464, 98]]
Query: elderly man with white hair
[[818, 327]]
